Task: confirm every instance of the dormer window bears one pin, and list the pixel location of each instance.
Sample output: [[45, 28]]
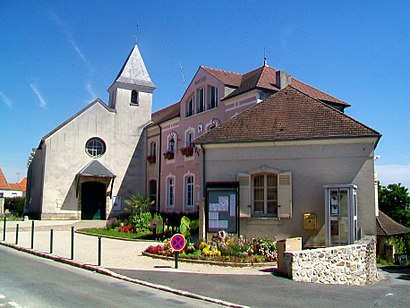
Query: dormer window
[[200, 100], [212, 97], [190, 106], [134, 98]]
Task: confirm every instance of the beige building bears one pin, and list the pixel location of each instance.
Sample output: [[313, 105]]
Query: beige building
[[303, 168], [91, 163]]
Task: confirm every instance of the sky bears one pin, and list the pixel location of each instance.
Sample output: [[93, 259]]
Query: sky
[[58, 56]]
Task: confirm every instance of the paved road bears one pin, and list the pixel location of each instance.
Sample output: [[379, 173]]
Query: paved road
[[28, 281], [273, 291]]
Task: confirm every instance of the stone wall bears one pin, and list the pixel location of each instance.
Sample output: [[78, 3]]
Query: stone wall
[[350, 265]]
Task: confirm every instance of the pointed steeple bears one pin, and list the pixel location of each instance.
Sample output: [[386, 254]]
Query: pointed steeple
[[134, 71]]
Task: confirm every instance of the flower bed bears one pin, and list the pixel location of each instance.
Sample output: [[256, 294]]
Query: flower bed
[[222, 248]]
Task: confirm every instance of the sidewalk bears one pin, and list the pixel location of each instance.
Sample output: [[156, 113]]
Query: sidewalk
[[115, 254]]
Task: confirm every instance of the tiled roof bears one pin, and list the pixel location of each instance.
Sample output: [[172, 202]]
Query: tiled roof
[[265, 78], [165, 114], [228, 78], [386, 226], [287, 115], [3, 181], [23, 184]]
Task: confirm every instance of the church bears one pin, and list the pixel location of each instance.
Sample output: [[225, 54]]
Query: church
[[260, 154]]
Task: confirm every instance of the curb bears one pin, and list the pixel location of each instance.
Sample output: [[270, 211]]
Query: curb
[[110, 273]]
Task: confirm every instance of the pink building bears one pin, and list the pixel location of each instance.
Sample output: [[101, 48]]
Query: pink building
[[174, 175]]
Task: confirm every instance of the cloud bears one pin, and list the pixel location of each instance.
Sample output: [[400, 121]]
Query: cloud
[[6, 100], [394, 173], [63, 27], [90, 90], [40, 97]]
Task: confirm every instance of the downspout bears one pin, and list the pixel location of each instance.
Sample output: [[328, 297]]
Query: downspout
[[202, 218], [159, 169]]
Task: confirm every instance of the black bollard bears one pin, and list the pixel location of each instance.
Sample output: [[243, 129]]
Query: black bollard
[[72, 242], [32, 234], [51, 241], [4, 228], [17, 234], [99, 251], [154, 231]]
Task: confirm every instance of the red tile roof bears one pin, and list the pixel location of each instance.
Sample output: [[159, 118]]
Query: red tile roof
[[228, 78], [3, 182], [265, 78], [289, 114], [165, 114]]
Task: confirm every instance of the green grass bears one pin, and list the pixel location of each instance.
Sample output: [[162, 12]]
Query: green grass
[[382, 261], [115, 233]]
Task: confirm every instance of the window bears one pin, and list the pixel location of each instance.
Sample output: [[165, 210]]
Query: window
[[152, 191], [189, 191], [200, 100], [189, 138], [190, 107], [171, 192], [95, 147], [153, 149], [265, 194], [212, 97], [134, 98]]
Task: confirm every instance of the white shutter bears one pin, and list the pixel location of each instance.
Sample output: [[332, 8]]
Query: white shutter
[[244, 194], [285, 195]]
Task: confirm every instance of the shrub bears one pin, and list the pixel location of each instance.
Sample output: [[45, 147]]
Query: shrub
[[126, 229], [15, 205]]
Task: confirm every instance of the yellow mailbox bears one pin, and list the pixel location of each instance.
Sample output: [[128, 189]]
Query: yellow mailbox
[[309, 221]]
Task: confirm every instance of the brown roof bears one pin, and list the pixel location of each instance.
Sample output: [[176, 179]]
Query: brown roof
[[386, 226], [3, 181], [165, 114], [287, 115], [265, 78], [228, 78]]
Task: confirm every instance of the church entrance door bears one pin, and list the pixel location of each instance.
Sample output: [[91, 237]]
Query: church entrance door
[[93, 201]]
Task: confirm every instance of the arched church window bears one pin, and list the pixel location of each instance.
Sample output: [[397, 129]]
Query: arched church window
[[134, 98], [95, 147]]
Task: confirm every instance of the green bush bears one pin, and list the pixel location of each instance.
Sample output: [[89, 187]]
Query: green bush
[[15, 205]]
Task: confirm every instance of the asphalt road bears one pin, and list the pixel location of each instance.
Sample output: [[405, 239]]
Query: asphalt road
[[273, 291], [29, 281]]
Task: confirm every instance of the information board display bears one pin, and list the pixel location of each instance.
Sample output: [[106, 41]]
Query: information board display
[[222, 207]]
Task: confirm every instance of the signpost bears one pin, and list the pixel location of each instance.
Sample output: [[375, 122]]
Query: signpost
[[178, 244]]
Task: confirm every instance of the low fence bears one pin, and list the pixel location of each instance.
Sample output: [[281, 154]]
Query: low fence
[[350, 265]]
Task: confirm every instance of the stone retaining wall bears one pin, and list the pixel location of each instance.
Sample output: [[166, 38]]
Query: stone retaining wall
[[350, 265]]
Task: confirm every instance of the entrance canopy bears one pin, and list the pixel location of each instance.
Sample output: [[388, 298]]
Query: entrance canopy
[[95, 169]]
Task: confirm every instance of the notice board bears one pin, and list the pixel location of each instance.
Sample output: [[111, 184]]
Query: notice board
[[222, 207]]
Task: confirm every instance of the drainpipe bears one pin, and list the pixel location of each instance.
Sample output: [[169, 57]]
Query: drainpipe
[[202, 220], [159, 169]]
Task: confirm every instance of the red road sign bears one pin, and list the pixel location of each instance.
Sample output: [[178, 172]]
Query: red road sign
[[178, 242]]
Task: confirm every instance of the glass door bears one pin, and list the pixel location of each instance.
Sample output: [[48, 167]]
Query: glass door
[[341, 214]]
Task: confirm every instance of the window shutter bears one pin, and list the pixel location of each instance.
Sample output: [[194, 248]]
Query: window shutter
[[285, 195], [244, 194]]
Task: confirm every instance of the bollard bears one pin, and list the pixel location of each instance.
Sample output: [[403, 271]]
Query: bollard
[[17, 234], [99, 251], [72, 242], [51, 241], [154, 231], [4, 228], [32, 234], [176, 259]]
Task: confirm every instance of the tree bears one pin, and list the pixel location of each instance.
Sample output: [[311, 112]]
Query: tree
[[394, 201]]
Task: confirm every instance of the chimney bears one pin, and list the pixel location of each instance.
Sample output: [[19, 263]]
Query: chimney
[[283, 79]]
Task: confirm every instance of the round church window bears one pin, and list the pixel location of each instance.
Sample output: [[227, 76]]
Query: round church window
[[95, 147]]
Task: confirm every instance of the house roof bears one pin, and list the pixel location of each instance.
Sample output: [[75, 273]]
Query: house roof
[[265, 78], [96, 169], [165, 114], [289, 114], [228, 78], [386, 226], [134, 71], [3, 182]]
